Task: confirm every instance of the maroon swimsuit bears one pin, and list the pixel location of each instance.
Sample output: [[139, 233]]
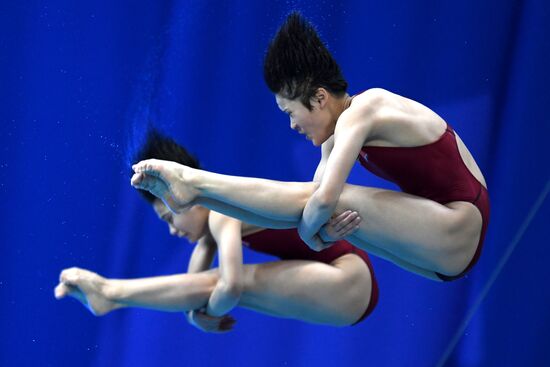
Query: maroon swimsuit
[[286, 244], [434, 171]]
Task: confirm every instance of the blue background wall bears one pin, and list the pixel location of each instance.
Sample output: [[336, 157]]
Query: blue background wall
[[78, 80]]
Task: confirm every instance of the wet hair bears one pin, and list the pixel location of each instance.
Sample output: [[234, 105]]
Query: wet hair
[[160, 146], [297, 63]]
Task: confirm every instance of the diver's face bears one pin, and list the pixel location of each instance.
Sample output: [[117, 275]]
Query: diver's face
[[314, 124], [191, 224]]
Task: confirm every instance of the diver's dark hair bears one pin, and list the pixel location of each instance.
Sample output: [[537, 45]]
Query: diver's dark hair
[[159, 146], [297, 63]]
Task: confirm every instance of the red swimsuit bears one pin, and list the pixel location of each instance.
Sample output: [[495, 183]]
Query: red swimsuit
[[286, 244], [434, 171]]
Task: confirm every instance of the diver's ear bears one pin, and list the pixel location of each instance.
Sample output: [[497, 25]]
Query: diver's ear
[[321, 97]]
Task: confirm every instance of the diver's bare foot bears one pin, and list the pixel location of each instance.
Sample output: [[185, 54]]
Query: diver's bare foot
[[169, 181], [89, 288]]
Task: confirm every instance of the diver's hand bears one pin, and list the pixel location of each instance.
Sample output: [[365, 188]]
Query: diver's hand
[[340, 226], [210, 324]]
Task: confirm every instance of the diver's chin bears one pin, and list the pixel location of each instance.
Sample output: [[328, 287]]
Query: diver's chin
[[314, 142]]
